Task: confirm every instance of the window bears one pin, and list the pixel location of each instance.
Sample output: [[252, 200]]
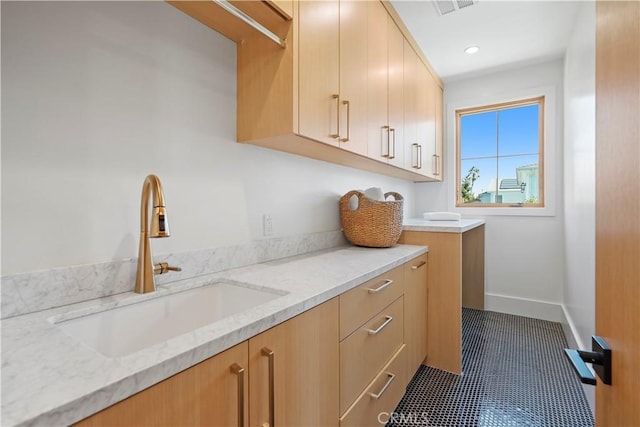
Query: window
[[500, 155]]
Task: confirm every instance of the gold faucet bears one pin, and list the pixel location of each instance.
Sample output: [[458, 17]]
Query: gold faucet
[[159, 228]]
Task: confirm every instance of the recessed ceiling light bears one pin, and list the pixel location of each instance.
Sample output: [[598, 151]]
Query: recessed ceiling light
[[471, 50]]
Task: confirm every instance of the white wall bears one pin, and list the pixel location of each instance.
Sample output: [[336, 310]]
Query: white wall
[[524, 254], [96, 95], [579, 179]]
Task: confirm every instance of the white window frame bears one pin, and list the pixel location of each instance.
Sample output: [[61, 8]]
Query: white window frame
[[551, 154]]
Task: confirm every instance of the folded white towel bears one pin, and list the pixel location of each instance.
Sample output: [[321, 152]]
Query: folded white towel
[[442, 216], [374, 193]]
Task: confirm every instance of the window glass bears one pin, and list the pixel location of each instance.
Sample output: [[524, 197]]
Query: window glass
[[500, 155]]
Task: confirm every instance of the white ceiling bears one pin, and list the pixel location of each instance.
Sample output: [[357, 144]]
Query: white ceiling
[[509, 33]]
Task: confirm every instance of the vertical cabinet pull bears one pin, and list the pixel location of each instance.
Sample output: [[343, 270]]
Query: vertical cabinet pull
[[417, 165], [385, 127], [337, 134], [390, 379], [272, 385], [436, 163], [239, 371], [392, 156], [419, 156], [348, 105]]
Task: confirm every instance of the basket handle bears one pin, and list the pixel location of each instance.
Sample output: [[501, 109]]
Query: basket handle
[[395, 195], [344, 200]]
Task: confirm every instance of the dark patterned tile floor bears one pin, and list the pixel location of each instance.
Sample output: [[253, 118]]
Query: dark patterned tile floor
[[514, 374]]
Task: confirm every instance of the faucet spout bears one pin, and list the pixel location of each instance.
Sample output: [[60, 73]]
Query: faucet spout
[[159, 228]]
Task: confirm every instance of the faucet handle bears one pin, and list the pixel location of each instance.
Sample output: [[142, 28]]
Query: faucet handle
[[164, 267]]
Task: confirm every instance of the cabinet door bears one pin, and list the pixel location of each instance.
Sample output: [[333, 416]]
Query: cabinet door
[[444, 306], [205, 394], [377, 91], [439, 143], [396, 92], [422, 153], [318, 63], [294, 371], [410, 87], [353, 76], [415, 307]]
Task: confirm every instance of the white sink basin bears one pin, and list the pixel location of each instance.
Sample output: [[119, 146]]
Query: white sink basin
[[124, 330]]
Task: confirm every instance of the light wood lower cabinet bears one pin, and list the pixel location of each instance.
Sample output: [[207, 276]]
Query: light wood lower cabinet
[[342, 362], [205, 394], [415, 309], [360, 304], [294, 371], [290, 372], [381, 396], [367, 350], [456, 275]]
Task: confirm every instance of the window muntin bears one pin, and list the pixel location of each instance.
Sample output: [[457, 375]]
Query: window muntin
[[500, 155]]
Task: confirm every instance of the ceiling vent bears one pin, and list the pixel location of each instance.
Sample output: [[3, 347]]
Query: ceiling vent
[[447, 6]]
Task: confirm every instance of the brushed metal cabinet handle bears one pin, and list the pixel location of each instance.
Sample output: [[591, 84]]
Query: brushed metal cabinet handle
[[417, 165], [239, 371], [272, 385], [420, 264], [385, 387], [348, 104], [381, 287], [386, 127], [376, 331], [394, 143], [337, 134]]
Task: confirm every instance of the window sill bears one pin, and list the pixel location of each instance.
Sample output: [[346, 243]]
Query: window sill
[[505, 211]]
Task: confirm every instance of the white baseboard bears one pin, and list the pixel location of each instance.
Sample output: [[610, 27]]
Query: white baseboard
[[543, 310]]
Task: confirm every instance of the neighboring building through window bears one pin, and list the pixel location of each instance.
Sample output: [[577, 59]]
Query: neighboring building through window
[[500, 154]]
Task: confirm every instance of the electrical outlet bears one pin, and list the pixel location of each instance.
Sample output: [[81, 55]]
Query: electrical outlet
[[267, 225]]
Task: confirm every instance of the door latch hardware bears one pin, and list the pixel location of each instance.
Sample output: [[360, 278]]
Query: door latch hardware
[[599, 357]]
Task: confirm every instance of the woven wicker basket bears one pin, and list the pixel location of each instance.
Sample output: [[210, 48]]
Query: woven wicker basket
[[373, 224]]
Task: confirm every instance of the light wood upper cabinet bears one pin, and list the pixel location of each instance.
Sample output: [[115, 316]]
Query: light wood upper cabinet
[[424, 146], [283, 7], [396, 93], [301, 357], [439, 143], [353, 76], [212, 393], [332, 63], [319, 70], [377, 82], [386, 87], [410, 84], [335, 92]]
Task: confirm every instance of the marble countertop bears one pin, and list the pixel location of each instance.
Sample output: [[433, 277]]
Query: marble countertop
[[50, 378], [459, 226]]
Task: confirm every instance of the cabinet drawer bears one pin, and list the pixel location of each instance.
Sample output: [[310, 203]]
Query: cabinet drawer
[[381, 396], [359, 304], [366, 351]]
